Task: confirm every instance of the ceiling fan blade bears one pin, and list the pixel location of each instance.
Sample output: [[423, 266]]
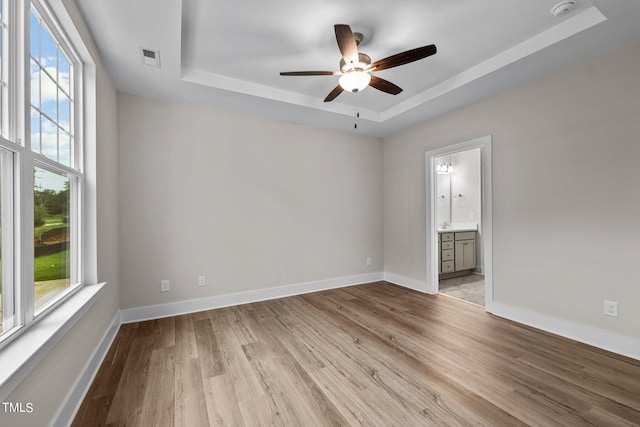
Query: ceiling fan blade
[[334, 94], [346, 43], [384, 85], [309, 73], [403, 58]]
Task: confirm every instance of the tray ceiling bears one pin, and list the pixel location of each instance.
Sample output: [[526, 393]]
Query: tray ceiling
[[229, 54]]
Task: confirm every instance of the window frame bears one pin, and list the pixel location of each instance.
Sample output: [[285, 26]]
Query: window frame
[[7, 211], [4, 69], [15, 139]]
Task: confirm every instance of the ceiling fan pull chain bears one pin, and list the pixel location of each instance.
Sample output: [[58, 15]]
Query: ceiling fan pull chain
[[356, 113]]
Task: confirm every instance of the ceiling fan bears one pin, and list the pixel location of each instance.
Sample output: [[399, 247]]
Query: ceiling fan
[[356, 68]]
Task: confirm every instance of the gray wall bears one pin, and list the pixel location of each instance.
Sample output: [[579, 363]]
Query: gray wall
[[565, 191], [249, 203]]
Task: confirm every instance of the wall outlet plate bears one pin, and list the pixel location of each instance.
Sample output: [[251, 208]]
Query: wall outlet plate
[[611, 308], [201, 281], [164, 286]]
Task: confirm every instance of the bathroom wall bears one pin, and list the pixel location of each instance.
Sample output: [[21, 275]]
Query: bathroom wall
[[459, 193], [466, 185], [443, 193], [459, 197]]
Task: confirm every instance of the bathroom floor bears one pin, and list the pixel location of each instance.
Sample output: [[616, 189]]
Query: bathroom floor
[[468, 288]]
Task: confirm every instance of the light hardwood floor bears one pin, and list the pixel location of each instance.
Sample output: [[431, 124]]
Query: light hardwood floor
[[369, 355]]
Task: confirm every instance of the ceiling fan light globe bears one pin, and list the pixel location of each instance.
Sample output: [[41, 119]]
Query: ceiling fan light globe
[[355, 81]]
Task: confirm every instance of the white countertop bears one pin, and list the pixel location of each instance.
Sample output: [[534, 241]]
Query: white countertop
[[458, 227]]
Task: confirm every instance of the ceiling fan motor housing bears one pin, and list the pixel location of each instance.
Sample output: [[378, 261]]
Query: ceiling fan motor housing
[[363, 61]]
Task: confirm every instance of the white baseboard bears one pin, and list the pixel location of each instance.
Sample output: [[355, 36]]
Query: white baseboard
[[191, 306], [406, 282], [606, 340], [74, 399]]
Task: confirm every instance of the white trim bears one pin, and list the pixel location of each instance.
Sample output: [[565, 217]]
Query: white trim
[[484, 143], [69, 409], [27, 351], [7, 210], [596, 337], [407, 282], [191, 306], [206, 78]]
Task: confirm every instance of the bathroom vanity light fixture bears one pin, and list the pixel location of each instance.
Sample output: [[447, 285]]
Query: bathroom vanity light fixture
[[443, 168]]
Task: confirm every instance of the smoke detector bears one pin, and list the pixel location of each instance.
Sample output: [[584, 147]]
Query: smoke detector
[[563, 8]]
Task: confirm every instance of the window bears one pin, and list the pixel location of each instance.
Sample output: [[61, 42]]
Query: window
[[41, 176], [53, 268], [51, 101], [3, 83]]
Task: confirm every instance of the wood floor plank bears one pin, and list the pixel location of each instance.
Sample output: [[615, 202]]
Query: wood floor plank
[[185, 338], [127, 400], [246, 385], [190, 404], [108, 377], [158, 403], [209, 354], [222, 405], [369, 355]]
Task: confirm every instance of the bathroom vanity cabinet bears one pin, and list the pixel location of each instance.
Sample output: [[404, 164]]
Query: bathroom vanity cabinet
[[457, 251]]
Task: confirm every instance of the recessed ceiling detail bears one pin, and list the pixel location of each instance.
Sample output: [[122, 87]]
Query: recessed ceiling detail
[[428, 86], [216, 54]]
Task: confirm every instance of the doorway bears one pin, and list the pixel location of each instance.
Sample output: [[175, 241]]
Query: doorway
[[459, 232]]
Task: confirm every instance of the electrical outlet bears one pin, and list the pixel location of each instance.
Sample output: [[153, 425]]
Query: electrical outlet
[[164, 286], [201, 281], [611, 308], [369, 261], [472, 216]]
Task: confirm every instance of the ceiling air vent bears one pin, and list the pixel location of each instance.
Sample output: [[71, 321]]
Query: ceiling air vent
[[150, 57]]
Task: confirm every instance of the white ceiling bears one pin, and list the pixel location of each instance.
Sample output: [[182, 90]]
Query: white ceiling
[[228, 54]]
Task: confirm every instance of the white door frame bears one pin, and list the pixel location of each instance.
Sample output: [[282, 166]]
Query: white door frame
[[484, 143]]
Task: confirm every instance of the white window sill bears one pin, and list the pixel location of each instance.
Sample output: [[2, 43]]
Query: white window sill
[[24, 353]]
